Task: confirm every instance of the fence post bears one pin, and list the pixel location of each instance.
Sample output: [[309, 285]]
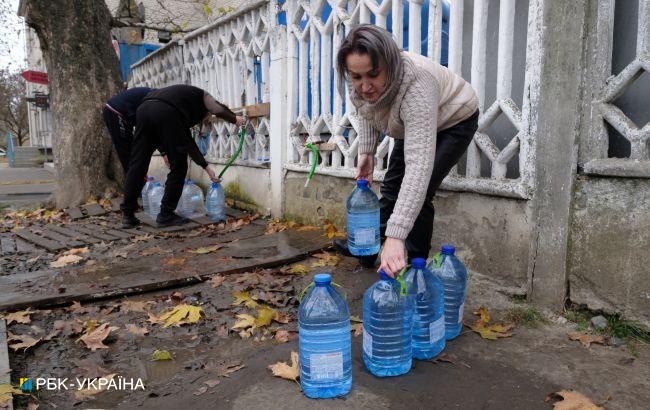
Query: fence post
[[278, 115]]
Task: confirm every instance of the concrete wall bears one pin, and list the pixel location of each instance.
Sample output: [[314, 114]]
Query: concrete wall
[[490, 233], [610, 246]]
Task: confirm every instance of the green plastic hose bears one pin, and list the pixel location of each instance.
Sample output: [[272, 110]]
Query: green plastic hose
[[236, 154], [314, 150]]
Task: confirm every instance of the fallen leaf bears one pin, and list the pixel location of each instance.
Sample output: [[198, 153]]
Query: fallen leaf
[[492, 331], [154, 320], [281, 317], [325, 259], [68, 328], [572, 400], [140, 331], [25, 341], [204, 250], [94, 340], [173, 261], [6, 393], [141, 238], [90, 325], [181, 314], [482, 312], [265, 316], [37, 330], [245, 321], [281, 369], [135, 306], [284, 336], [161, 355], [200, 390], [331, 231], [91, 369], [88, 393], [176, 297], [586, 339], [22, 316], [77, 308], [308, 228], [212, 383], [65, 261], [243, 297], [76, 251], [355, 319], [296, 270], [217, 280], [357, 328], [230, 368]]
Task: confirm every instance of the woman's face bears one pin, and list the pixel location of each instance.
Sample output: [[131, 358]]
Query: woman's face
[[369, 83]]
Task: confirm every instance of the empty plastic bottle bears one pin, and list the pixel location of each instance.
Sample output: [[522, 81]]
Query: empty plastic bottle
[[324, 336], [387, 327], [215, 205], [428, 317], [191, 202], [453, 275], [363, 220], [155, 197], [145, 194]]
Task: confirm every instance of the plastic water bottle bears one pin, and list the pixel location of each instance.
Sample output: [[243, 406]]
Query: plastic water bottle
[[453, 275], [363, 221], [428, 317], [215, 202], [387, 327], [196, 200], [324, 336], [155, 198], [145, 194]]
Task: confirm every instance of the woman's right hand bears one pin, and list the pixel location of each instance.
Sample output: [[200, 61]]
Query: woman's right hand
[[365, 167]]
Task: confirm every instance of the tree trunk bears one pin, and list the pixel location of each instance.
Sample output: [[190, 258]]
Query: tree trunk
[[83, 73]]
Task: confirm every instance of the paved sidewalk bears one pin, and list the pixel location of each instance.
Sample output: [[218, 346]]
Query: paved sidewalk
[[25, 186]]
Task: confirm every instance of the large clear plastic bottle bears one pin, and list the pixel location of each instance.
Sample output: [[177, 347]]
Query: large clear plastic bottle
[[363, 221], [145, 194], [183, 208], [190, 204], [453, 275], [215, 205], [155, 198], [324, 336], [428, 317], [387, 327]]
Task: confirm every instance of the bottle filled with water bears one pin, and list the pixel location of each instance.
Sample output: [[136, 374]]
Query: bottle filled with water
[[324, 337], [363, 221], [155, 198], [215, 205], [387, 327], [453, 275], [190, 204], [428, 317], [145, 194]]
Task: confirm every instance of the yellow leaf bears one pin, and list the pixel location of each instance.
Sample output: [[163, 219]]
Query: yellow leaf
[[6, 392], [245, 321], [325, 259], [243, 297], [491, 331], [65, 261], [181, 314], [265, 316], [586, 339], [19, 317], [482, 312], [574, 401], [90, 326], [204, 250], [281, 369], [356, 319], [296, 270], [161, 355], [331, 231]]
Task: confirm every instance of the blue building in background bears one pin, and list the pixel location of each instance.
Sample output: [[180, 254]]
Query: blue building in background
[[132, 53]]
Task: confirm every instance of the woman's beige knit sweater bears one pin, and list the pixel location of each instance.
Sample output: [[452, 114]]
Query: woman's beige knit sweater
[[428, 98]]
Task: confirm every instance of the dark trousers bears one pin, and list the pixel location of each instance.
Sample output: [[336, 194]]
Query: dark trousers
[[121, 134], [157, 125], [450, 146]]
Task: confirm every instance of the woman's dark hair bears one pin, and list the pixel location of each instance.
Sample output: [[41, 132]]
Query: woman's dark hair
[[377, 43]]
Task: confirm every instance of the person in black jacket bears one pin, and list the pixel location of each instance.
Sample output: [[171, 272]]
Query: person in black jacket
[[119, 116], [164, 118]]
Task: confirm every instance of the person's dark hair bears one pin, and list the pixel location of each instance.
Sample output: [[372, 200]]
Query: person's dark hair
[[377, 43]]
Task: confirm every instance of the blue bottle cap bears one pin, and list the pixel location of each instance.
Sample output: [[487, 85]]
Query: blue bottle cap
[[156, 184], [150, 178], [215, 185], [383, 275], [322, 278], [362, 183], [448, 249], [418, 263]]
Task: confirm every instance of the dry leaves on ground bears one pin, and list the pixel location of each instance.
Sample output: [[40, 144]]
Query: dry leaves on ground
[[325, 259], [22, 316], [76, 307], [159, 355], [6, 392], [487, 330], [174, 261], [281, 369], [245, 298], [265, 315], [181, 314], [331, 231], [65, 328], [296, 270], [229, 368], [94, 339], [572, 400], [284, 336], [65, 261], [586, 339], [24, 341], [76, 251], [216, 280], [206, 249], [134, 329]]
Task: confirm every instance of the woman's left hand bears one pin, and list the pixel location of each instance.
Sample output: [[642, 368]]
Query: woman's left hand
[[393, 256]]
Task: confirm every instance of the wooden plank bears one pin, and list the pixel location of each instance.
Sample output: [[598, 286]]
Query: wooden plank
[[5, 368], [50, 234], [115, 204], [23, 246], [50, 245], [148, 273], [120, 234], [74, 213], [8, 245], [94, 209], [95, 233], [73, 234]]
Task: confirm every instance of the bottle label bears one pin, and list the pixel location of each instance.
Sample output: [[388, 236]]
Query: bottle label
[[367, 343], [460, 312], [196, 198], [437, 330], [365, 236], [326, 366]]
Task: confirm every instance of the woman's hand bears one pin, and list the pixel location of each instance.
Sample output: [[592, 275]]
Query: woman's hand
[[211, 174], [239, 120], [365, 167], [393, 256]]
